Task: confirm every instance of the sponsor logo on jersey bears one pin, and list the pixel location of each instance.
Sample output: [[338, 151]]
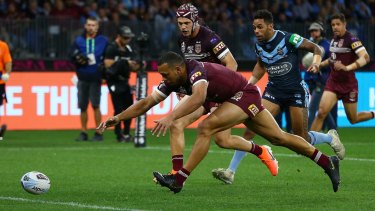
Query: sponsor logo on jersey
[[198, 47], [237, 96], [183, 47], [356, 44], [295, 39], [194, 76], [253, 109], [218, 47], [279, 69]]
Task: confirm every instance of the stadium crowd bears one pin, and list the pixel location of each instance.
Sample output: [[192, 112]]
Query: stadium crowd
[[59, 21], [211, 10]]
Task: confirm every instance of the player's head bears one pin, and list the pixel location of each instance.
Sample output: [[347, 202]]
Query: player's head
[[187, 19], [316, 30], [172, 68], [338, 24], [91, 26], [263, 25], [125, 35]]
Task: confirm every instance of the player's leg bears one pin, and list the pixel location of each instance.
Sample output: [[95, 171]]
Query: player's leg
[[177, 138], [354, 116], [327, 102], [225, 117], [227, 175], [265, 125]]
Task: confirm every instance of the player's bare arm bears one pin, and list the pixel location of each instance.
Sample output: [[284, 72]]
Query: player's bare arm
[[229, 61], [307, 45], [196, 100], [363, 59], [133, 111], [257, 73]]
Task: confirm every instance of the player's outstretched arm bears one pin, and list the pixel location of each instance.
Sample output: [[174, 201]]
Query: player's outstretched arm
[[196, 100], [133, 111]]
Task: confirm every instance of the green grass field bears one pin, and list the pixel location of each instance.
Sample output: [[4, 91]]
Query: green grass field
[[112, 176]]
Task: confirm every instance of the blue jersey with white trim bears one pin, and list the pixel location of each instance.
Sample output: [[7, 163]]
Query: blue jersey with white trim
[[279, 57]]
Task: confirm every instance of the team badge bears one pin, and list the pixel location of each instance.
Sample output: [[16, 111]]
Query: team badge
[[237, 96], [198, 47], [253, 109], [280, 51]]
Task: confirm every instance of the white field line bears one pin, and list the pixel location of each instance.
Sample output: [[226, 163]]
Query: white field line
[[72, 204], [84, 148]]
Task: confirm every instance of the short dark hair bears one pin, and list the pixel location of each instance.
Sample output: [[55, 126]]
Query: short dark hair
[[91, 18], [171, 58], [338, 16], [265, 15]]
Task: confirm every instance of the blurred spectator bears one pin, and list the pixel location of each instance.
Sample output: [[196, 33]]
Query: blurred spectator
[[164, 25], [88, 50], [5, 69]]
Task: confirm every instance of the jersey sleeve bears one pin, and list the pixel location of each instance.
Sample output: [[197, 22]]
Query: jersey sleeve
[[294, 39], [218, 46], [356, 44], [163, 89], [198, 73]]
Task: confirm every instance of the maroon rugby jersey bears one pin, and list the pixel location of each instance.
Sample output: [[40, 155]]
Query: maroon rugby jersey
[[205, 47], [222, 82], [344, 49]]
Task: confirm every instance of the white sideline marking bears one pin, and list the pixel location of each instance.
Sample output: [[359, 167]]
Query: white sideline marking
[[73, 204], [158, 148]]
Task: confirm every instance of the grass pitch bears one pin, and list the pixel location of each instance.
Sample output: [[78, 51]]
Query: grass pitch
[[112, 176]]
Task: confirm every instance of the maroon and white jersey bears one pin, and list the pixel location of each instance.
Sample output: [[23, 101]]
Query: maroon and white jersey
[[205, 47], [222, 82], [344, 49]]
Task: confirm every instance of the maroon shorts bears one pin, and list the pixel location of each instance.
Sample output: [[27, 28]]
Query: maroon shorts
[[347, 92], [249, 100]]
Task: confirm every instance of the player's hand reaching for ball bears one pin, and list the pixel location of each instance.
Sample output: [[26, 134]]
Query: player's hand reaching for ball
[[112, 121]]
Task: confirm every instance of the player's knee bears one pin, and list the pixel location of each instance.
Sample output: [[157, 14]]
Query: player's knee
[[222, 141], [205, 128], [322, 113], [352, 120], [177, 126]]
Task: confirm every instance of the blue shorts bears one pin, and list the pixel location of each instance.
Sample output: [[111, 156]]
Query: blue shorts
[[296, 97], [88, 90]]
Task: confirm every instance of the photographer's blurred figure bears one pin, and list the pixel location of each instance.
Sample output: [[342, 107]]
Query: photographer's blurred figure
[[119, 61], [88, 55], [5, 69]]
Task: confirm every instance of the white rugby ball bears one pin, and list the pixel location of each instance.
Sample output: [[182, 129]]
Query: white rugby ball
[[35, 182], [308, 58]]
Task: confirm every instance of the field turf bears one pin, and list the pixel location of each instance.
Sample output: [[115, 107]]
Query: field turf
[[117, 176]]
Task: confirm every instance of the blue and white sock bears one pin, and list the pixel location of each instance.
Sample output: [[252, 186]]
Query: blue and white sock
[[236, 160], [319, 138]]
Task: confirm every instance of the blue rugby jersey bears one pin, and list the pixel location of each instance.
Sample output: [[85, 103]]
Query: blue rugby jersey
[[279, 56]]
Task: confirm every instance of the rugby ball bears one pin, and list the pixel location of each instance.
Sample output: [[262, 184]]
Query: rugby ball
[[35, 182], [308, 58]]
